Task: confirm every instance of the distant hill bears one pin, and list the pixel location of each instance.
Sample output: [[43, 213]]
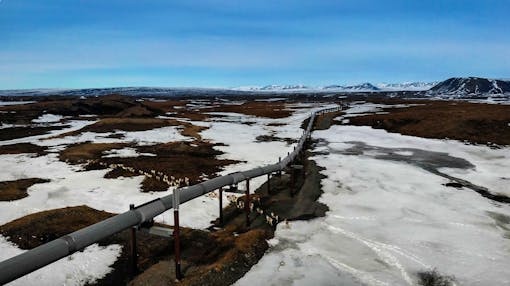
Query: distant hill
[[470, 87], [410, 86]]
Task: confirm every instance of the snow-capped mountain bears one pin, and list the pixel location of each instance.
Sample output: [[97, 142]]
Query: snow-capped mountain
[[411, 86], [299, 87], [470, 86], [453, 87], [359, 87]]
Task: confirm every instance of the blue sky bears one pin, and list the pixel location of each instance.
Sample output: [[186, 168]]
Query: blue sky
[[98, 43]]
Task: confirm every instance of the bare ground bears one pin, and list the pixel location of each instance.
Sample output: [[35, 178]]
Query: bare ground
[[474, 122], [15, 190]]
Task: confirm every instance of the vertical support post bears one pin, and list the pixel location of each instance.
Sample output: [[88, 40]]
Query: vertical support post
[[133, 250], [279, 171], [292, 181], [221, 205], [177, 242], [268, 184], [247, 202]]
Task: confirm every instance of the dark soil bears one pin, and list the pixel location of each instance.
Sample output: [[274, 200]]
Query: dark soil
[[271, 138], [434, 278], [81, 152], [181, 160], [21, 148], [256, 108], [474, 122], [21, 132], [15, 190]]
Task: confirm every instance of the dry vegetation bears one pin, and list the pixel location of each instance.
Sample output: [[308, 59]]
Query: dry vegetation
[[15, 190], [22, 148], [474, 122], [79, 153], [256, 108]]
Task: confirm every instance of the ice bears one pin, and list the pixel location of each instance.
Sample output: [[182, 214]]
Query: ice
[[81, 268], [73, 126], [241, 144], [69, 186], [125, 153], [389, 220], [5, 103], [491, 165], [48, 118], [146, 137], [240, 138]]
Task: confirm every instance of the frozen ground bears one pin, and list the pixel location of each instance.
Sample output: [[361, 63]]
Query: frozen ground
[[391, 218], [71, 186], [241, 144]]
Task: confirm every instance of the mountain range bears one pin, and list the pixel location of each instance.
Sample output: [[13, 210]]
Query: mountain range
[[450, 88], [470, 86]]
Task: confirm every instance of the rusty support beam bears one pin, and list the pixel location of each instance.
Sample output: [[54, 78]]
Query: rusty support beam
[[221, 205], [292, 181], [133, 250], [177, 238], [247, 203], [268, 184]]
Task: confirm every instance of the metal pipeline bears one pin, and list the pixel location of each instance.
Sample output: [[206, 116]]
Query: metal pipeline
[[52, 251]]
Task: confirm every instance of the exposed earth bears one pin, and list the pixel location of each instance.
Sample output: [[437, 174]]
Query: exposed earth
[[224, 252]]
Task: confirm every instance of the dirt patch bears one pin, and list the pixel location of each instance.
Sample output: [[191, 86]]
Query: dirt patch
[[110, 105], [191, 130], [21, 148], [434, 278], [177, 160], [165, 106], [22, 132], [79, 153], [107, 125], [325, 121], [38, 228], [256, 108], [15, 190], [272, 138], [474, 122]]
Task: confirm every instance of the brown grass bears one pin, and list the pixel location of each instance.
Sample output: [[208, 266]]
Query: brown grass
[[22, 148], [38, 228], [15, 190], [256, 108], [474, 122], [191, 130], [81, 152]]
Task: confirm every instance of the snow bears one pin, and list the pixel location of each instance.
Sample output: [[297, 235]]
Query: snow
[[69, 186], [244, 146], [80, 268], [492, 165], [389, 220], [146, 137], [73, 126], [125, 153], [240, 144], [154, 136], [48, 118], [5, 103]]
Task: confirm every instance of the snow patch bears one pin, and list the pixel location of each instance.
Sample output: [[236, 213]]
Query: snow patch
[[81, 268]]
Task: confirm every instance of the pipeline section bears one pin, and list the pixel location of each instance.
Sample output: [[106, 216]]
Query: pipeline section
[[52, 251]]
